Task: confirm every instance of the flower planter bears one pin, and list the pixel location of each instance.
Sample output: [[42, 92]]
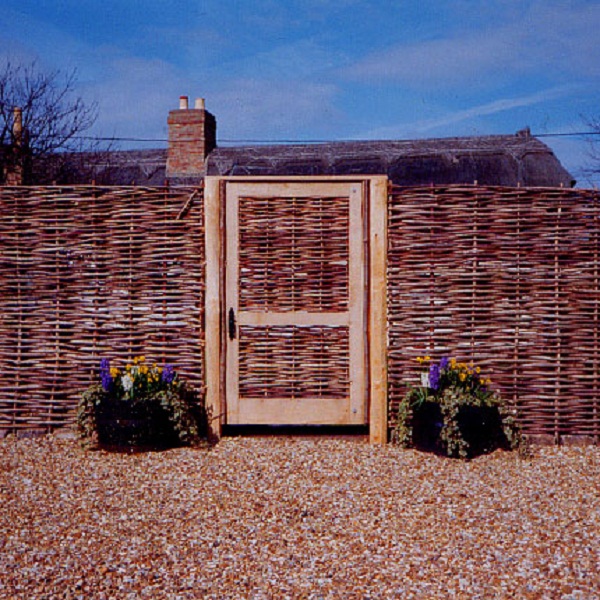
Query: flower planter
[[144, 424], [141, 407], [481, 427], [426, 427], [454, 412]]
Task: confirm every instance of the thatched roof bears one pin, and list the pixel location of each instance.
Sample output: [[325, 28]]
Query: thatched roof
[[493, 160], [509, 160]]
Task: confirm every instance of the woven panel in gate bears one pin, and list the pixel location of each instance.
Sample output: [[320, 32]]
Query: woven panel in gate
[[294, 253], [294, 362], [508, 278], [91, 272]]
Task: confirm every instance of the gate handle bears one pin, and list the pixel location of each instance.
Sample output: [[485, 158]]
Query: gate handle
[[231, 324]]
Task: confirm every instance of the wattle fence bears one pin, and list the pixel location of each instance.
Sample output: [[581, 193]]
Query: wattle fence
[[506, 277], [92, 272]]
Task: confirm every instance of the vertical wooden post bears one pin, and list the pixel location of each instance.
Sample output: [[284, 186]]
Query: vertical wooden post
[[212, 313], [378, 310]]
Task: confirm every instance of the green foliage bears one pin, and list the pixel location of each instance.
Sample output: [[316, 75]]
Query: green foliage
[[87, 425], [455, 412], [143, 406]]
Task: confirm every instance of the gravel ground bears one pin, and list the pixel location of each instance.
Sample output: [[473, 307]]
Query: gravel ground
[[296, 518]]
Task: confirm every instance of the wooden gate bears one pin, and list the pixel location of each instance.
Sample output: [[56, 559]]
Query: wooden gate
[[295, 305]]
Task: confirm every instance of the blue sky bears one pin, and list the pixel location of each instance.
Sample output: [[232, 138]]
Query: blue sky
[[321, 69]]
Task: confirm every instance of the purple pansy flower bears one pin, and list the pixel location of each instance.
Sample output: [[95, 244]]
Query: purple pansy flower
[[444, 363]]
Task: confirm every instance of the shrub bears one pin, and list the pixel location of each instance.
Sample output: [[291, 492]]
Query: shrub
[[454, 411], [143, 405]]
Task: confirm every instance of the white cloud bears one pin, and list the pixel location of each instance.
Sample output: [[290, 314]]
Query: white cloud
[[550, 39], [447, 61], [418, 128]]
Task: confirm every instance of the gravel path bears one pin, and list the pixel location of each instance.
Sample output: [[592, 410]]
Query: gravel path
[[296, 518]]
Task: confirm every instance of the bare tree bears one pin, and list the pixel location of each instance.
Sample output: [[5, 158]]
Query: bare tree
[[53, 118], [593, 168]]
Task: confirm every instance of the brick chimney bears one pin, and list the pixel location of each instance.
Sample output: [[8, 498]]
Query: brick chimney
[[15, 169], [192, 137]]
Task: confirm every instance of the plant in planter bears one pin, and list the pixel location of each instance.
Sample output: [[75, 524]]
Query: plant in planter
[[454, 411], [142, 405]]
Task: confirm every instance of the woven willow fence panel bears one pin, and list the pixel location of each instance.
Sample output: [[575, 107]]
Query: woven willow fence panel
[[508, 278], [91, 272], [294, 254]]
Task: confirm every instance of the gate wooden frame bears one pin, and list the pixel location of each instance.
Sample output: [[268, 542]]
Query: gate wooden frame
[[376, 321]]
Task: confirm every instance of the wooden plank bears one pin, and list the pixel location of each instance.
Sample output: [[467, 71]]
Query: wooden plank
[[231, 303], [285, 179], [293, 318], [297, 411], [212, 353], [356, 305], [378, 195], [286, 189]]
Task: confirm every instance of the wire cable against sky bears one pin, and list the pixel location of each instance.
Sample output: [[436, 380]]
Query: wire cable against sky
[[577, 133], [286, 141]]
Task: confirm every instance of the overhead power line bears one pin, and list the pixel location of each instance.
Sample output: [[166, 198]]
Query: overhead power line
[[98, 138], [574, 134], [223, 141], [290, 141]]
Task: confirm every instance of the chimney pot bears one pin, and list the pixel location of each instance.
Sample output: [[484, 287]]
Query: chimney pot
[[183, 102], [17, 127], [200, 105], [14, 170]]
